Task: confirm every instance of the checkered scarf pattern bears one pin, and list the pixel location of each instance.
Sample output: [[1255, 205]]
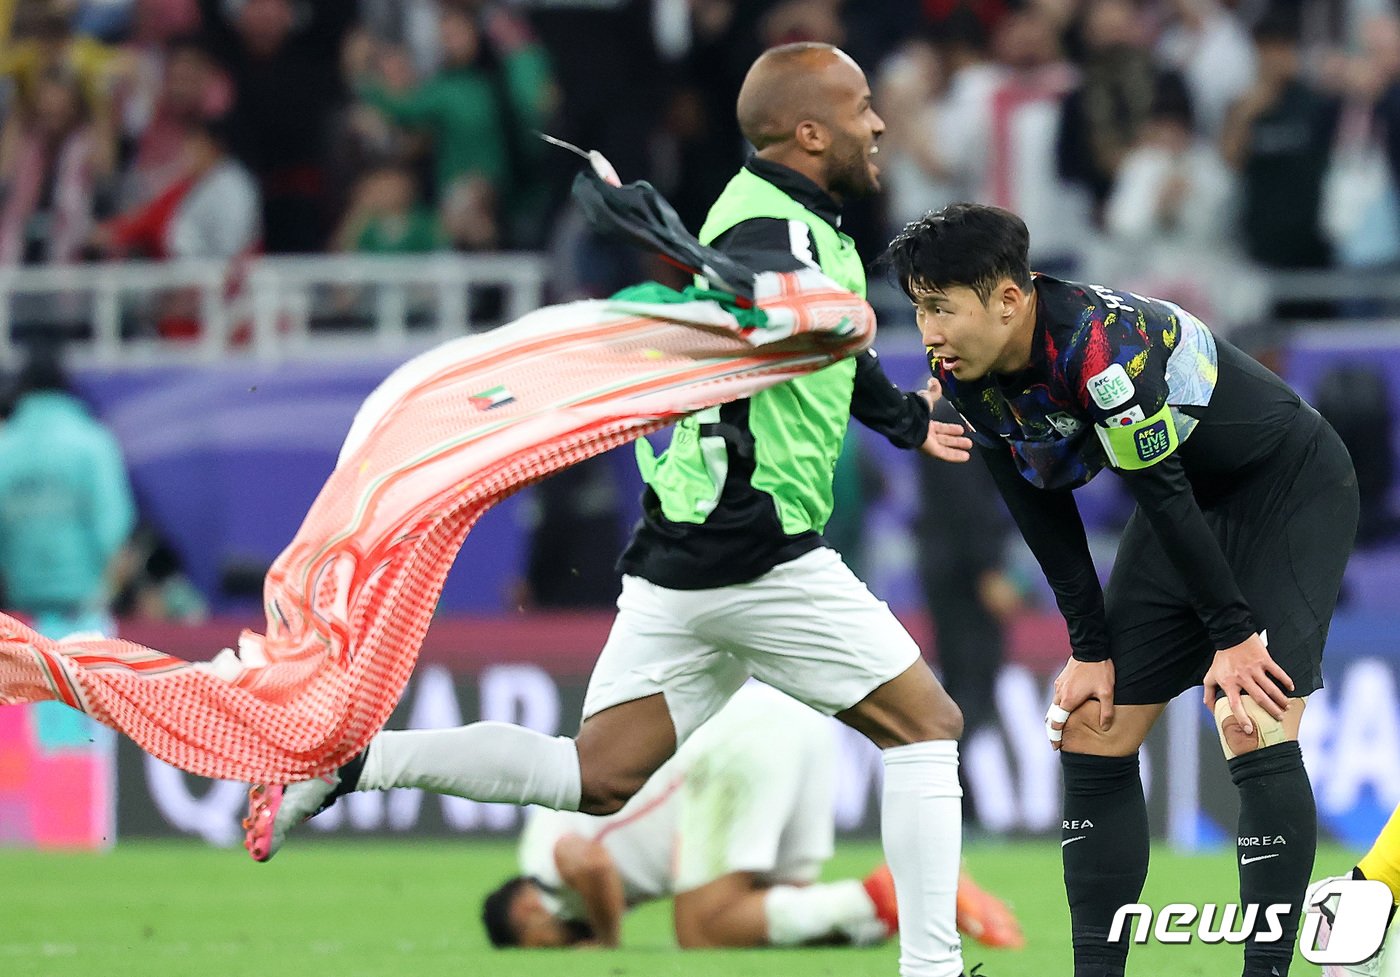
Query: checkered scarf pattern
[[441, 440]]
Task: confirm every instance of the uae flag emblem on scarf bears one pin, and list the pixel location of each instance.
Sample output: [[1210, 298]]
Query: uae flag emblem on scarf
[[495, 397]]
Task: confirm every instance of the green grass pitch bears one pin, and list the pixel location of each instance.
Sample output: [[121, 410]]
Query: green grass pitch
[[376, 909]]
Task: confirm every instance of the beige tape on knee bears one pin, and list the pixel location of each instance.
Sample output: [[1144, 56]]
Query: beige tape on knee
[[1268, 731]]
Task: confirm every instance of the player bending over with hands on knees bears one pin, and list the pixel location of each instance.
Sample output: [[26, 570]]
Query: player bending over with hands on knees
[[736, 827], [1229, 567]]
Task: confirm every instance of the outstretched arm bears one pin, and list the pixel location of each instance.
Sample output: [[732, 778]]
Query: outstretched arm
[[902, 417]]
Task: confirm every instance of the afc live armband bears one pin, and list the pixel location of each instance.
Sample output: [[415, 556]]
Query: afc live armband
[[1133, 441]]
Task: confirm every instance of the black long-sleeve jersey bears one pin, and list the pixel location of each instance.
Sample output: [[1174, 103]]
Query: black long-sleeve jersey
[[1140, 385]]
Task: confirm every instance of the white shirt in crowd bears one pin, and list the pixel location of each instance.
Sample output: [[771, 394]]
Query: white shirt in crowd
[[1214, 53], [218, 218]]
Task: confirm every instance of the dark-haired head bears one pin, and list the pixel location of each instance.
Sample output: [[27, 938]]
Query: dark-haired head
[[963, 244], [1278, 25], [967, 271], [496, 915], [42, 370], [515, 916], [961, 30]]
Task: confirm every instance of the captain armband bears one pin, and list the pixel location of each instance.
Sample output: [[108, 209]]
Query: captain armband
[[1133, 442]]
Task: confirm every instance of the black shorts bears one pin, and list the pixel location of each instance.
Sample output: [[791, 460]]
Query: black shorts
[[1286, 531]]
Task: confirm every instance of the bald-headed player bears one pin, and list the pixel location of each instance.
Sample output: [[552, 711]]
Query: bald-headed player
[[727, 575]]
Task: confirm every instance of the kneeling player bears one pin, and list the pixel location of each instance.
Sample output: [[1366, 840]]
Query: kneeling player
[[1229, 568], [736, 826]]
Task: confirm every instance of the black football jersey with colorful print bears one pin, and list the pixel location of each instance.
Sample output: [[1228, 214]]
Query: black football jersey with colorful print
[[1109, 376], [1141, 386]]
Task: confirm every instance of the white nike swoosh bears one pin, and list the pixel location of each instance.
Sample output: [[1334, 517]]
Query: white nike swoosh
[[1070, 841], [1257, 858]]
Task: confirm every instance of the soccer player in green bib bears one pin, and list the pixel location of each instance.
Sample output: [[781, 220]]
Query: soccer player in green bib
[[728, 577]]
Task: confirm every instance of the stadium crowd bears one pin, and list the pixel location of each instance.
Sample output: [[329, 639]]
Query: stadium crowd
[[1194, 138]]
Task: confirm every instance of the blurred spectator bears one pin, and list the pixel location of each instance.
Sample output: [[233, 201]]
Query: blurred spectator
[[469, 216], [1173, 187], [1388, 101], [876, 27], [408, 24], [1360, 206], [966, 108], [1171, 217], [386, 216], [183, 87], [796, 21], [1208, 45], [364, 137], [608, 71], [51, 50], [1102, 116], [1022, 174], [699, 144], [65, 504], [287, 90], [962, 537], [149, 582], [158, 22], [916, 172], [1279, 137], [937, 104], [989, 13], [210, 210], [66, 508], [493, 91], [51, 175]]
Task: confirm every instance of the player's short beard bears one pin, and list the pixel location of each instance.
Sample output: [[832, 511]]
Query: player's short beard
[[848, 176]]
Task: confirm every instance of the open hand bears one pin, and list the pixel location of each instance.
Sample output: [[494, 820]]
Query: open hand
[[945, 441], [1076, 684], [1248, 668]]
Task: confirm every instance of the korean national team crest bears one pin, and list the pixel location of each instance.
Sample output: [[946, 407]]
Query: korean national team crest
[[1067, 425], [1111, 388]]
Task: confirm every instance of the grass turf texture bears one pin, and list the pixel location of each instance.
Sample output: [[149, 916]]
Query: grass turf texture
[[377, 909]]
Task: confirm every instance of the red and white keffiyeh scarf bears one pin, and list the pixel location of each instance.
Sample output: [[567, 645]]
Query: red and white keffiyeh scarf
[[445, 437]]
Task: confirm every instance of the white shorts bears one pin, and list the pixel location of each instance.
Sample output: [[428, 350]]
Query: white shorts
[[758, 794], [808, 627]]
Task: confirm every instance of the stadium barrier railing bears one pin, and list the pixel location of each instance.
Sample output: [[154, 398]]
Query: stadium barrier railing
[[120, 314]]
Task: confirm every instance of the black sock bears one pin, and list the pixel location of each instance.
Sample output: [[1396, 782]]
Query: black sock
[[1277, 842], [1104, 845], [349, 774]]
